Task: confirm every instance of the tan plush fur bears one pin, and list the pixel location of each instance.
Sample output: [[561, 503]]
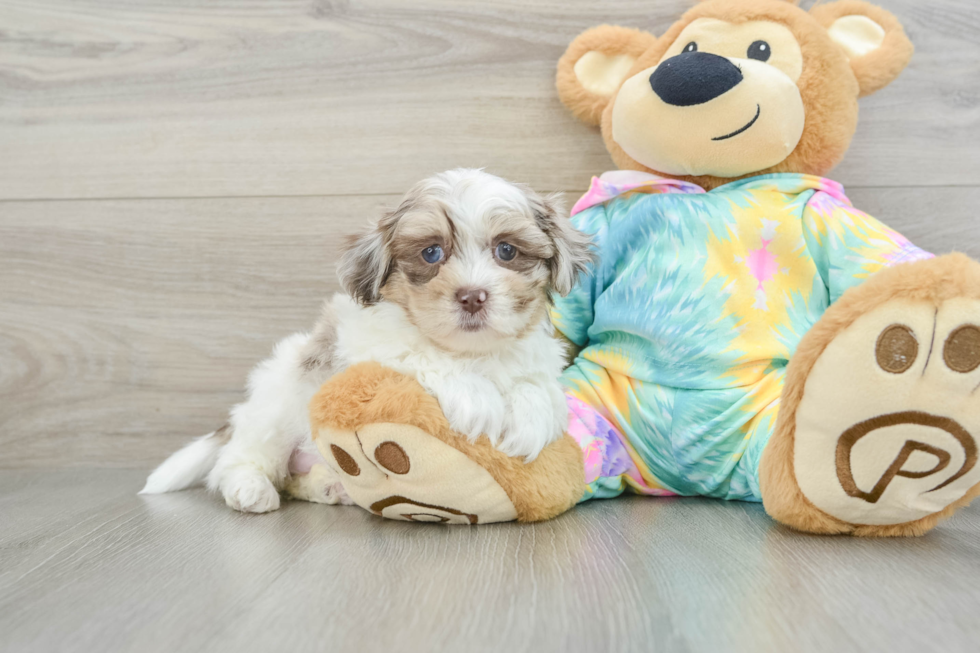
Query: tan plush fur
[[875, 70], [829, 84], [935, 282], [370, 393], [608, 39]]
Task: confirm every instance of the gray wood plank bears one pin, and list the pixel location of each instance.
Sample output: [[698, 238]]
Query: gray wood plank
[[127, 327], [940, 219], [103, 98], [124, 321], [109, 571]]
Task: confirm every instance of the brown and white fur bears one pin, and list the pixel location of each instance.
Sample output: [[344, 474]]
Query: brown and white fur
[[471, 327]]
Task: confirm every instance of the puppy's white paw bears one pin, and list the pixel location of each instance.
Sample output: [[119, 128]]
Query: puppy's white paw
[[337, 494], [473, 406], [319, 485], [250, 491], [535, 418]]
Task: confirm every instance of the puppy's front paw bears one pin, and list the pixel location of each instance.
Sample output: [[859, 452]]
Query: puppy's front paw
[[319, 485], [249, 491], [536, 417], [337, 494], [473, 406]]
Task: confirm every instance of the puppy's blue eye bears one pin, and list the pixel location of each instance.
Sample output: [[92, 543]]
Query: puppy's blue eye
[[432, 254], [506, 252]]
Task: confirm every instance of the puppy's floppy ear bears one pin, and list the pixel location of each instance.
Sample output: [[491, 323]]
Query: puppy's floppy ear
[[365, 264], [872, 39], [595, 65], [573, 251]]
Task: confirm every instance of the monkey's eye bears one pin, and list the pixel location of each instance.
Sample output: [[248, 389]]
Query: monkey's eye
[[691, 47], [505, 252], [432, 254], [760, 51]]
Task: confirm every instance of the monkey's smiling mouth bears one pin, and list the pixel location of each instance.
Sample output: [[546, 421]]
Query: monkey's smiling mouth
[[758, 112]]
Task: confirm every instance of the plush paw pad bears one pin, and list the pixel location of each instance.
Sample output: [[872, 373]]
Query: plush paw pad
[[886, 432], [401, 472]]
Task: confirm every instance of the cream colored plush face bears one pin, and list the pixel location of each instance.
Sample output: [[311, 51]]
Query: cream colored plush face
[[733, 41], [752, 126]]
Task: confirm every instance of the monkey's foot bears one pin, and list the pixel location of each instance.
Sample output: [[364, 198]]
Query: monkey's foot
[[878, 433]]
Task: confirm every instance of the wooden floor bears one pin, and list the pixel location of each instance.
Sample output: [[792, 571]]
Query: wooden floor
[[89, 566], [175, 179]]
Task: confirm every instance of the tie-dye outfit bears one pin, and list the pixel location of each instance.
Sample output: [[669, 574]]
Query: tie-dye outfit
[[691, 315]]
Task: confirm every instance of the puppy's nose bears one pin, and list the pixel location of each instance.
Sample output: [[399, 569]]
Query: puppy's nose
[[694, 78], [471, 299]]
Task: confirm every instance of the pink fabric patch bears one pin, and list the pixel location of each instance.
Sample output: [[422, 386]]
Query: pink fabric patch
[[604, 450], [617, 182], [301, 462], [762, 263], [582, 428]]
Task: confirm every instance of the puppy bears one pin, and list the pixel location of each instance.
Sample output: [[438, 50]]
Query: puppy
[[452, 287]]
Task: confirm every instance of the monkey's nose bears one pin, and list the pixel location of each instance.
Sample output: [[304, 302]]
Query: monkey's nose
[[472, 299], [694, 78]]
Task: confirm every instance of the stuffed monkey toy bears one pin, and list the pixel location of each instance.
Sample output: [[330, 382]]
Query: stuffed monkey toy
[[747, 333]]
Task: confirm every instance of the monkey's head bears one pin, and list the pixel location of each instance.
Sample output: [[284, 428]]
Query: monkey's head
[[735, 88]]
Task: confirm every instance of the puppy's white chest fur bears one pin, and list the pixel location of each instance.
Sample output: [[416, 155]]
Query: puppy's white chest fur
[[511, 393]]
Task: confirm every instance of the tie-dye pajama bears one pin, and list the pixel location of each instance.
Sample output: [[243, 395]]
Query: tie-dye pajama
[[691, 315]]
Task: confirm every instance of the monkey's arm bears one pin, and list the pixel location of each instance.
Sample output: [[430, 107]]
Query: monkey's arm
[[848, 245]]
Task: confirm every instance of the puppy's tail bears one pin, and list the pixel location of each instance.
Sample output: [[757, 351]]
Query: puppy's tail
[[188, 466]]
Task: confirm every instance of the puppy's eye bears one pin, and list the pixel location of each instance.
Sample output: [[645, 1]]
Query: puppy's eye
[[691, 47], [432, 254], [759, 51], [505, 252]]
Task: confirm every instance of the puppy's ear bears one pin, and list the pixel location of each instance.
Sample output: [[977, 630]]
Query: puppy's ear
[[573, 251], [367, 261], [365, 264]]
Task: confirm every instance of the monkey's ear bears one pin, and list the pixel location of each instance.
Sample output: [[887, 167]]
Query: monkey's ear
[[872, 39], [595, 65]]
